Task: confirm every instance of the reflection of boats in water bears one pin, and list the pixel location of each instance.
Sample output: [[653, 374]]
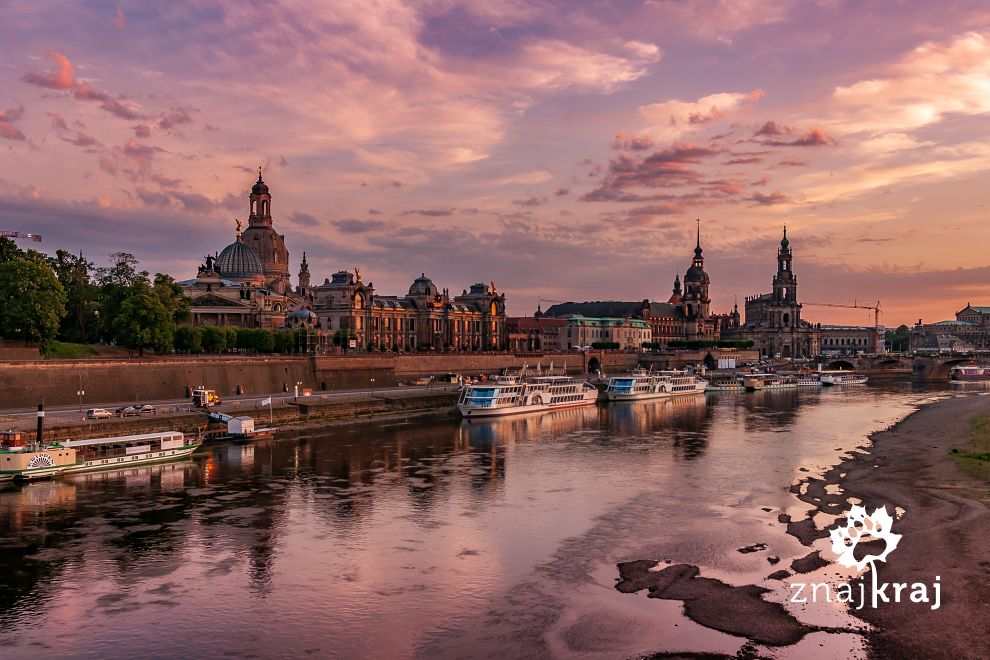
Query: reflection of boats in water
[[642, 384], [969, 373], [512, 394], [842, 377], [486, 430], [171, 475]]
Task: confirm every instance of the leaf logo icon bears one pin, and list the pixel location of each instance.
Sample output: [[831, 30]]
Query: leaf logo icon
[[859, 525]]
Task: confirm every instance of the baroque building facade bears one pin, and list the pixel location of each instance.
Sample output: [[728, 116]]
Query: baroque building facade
[[426, 318], [773, 320], [247, 285], [686, 315]]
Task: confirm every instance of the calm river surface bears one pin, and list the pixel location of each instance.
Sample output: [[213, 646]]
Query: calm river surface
[[430, 538]]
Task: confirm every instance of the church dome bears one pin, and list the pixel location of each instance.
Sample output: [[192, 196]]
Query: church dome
[[239, 261], [423, 286], [260, 187]]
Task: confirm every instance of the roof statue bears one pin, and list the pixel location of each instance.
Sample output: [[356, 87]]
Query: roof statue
[[494, 290], [239, 225], [357, 274]]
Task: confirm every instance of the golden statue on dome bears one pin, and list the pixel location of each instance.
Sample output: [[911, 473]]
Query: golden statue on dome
[[239, 225]]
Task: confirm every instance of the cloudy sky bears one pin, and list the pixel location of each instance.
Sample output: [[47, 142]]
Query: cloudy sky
[[560, 148]]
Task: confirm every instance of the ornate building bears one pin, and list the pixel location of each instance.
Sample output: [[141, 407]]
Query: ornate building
[[685, 316], [247, 283], [773, 320], [262, 238], [423, 319], [230, 289]]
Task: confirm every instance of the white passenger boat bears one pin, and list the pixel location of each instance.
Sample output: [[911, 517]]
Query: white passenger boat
[[757, 382], [35, 461], [512, 394], [729, 382], [842, 377], [129, 450], [643, 384], [803, 378]]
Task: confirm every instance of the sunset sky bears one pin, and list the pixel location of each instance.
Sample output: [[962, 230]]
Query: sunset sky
[[560, 148]]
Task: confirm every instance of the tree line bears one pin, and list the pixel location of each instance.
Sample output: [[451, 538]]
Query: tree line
[[68, 298]]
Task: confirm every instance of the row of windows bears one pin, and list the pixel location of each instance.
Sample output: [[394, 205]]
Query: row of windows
[[845, 341]]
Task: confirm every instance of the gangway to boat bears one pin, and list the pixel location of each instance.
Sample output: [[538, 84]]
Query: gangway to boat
[[220, 417]]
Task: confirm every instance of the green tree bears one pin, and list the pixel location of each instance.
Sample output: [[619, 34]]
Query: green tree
[[81, 323], [284, 341], [214, 339], [231, 338], [188, 339], [899, 340], [171, 296], [143, 321], [9, 250], [32, 301], [265, 340], [115, 282]]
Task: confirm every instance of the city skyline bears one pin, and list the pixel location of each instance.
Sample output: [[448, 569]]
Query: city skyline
[[512, 143]]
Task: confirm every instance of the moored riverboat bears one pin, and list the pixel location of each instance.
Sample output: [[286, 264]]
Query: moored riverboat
[[643, 384], [725, 382], [842, 377], [25, 463], [129, 450], [514, 393], [970, 372], [756, 382]]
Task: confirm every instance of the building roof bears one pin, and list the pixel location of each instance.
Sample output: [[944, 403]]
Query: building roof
[[981, 310], [260, 187], [238, 261], [423, 286], [598, 308]]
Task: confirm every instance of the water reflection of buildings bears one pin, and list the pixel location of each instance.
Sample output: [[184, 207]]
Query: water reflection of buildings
[[774, 410]]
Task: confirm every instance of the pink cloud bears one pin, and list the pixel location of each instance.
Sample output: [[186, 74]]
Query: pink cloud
[[7, 129], [65, 79], [632, 142]]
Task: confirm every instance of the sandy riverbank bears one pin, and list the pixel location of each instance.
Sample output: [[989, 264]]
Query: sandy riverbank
[[945, 529]]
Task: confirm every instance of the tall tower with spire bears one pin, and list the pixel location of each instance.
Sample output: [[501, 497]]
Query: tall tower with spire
[[696, 282], [303, 287], [268, 244], [784, 282]]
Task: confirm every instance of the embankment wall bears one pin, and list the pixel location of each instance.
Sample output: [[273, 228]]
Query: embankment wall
[[25, 383]]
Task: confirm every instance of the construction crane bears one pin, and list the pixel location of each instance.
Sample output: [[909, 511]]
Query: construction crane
[[17, 234], [867, 304]]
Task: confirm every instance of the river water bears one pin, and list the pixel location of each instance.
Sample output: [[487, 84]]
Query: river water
[[435, 538]]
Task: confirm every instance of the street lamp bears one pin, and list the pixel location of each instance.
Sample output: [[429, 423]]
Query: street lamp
[[298, 383]]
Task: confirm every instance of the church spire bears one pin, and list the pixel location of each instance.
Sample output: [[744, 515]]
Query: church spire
[[697, 245]]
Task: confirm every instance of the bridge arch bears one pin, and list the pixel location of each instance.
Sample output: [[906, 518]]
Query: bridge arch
[[940, 370], [841, 364]]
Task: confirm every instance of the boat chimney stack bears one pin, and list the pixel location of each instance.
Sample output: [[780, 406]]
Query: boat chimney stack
[[41, 423]]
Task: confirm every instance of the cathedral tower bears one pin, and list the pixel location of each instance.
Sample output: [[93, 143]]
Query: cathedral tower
[[303, 288], [784, 294], [696, 281], [261, 237]]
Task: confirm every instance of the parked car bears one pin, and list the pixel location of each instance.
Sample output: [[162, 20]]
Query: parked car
[[145, 408], [98, 413], [127, 411]]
